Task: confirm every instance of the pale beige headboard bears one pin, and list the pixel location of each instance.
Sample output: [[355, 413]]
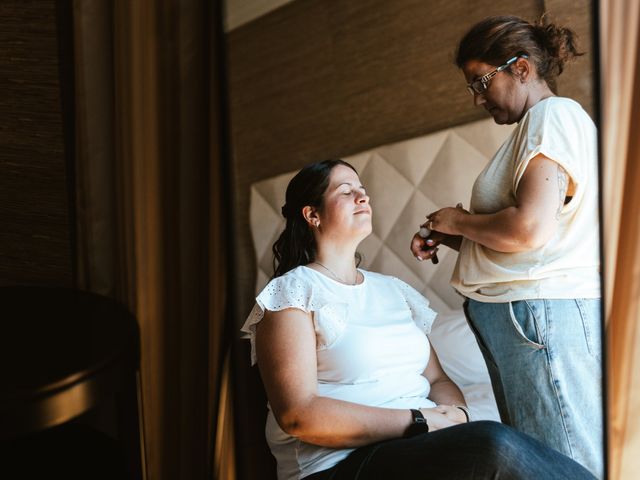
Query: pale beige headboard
[[405, 181]]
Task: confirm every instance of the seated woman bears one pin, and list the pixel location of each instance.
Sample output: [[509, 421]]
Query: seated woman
[[355, 390]]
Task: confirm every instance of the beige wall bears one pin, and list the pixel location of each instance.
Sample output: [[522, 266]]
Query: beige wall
[[317, 79]]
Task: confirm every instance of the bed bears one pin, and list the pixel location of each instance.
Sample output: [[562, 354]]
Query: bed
[[407, 180]]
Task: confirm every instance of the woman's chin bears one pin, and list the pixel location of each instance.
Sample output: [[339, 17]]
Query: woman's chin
[[364, 231], [498, 116], [501, 117]]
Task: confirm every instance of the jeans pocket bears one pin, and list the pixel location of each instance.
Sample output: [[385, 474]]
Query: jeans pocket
[[526, 324], [590, 326]]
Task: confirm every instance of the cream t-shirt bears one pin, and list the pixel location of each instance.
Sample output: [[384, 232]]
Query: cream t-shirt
[[568, 265]]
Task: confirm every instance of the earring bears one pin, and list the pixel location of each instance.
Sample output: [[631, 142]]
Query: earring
[[317, 224]]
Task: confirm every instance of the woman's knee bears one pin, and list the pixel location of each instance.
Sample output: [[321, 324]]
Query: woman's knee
[[497, 440], [512, 454], [491, 429]]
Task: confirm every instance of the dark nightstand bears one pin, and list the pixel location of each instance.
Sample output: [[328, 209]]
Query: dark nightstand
[[63, 353]]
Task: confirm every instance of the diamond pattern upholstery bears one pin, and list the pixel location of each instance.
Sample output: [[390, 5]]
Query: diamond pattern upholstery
[[405, 181]]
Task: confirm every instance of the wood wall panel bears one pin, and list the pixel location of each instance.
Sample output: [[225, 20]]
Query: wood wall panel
[[34, 215], [577, 79], [325, 78]]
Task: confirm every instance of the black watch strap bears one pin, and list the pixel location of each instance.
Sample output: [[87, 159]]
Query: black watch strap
[[418, 424]]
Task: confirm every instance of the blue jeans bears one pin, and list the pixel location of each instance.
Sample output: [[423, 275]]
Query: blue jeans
[[473, 451], [544, 359]]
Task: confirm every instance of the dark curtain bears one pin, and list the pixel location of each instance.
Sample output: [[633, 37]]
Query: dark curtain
[[151, 207]]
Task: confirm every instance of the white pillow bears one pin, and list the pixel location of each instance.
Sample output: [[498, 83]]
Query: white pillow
[[458, 350], [461, 359]]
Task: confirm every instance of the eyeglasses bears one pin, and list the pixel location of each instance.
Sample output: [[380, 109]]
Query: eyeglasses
[[480, 85]]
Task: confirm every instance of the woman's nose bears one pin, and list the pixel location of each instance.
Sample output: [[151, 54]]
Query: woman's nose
[[363, 198]]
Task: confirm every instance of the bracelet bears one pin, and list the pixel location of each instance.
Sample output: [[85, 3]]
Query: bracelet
[[465, 410]]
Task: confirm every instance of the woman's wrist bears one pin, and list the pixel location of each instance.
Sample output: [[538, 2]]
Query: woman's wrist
[[452, 241], [418, 424], [460, 223], [465, 410]]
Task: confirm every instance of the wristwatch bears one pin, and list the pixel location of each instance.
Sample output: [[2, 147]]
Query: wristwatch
[[418, 424]]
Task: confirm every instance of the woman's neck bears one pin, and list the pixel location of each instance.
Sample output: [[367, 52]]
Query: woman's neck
[[537, 92], [339, 262]]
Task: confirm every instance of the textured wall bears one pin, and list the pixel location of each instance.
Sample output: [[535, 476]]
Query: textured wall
[[577, 79], [35, 234]]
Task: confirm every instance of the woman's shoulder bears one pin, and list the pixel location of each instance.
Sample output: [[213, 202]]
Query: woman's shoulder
[[297, 274], [293, 282], [558, 106], [380, 279], [557, 117], [297, 288]]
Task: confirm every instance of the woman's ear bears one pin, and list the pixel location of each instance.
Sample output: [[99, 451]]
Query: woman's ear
[[310, 214], [522, 69]]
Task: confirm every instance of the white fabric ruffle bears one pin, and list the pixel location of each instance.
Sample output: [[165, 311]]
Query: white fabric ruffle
[[328, 314], [422, 315]]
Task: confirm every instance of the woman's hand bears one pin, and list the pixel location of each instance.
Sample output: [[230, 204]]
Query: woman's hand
[[426, 248], [447, 220], [452, 412], [443, 416]]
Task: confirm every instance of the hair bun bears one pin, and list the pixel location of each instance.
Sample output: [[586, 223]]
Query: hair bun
[[558, 42]]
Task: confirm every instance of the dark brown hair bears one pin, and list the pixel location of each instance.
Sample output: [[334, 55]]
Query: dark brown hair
[[495, 40], [296, 245]]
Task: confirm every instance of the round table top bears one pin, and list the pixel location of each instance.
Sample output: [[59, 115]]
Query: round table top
[[53, 341]]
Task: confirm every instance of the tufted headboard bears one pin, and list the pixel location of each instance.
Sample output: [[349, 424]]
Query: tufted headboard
[[405, 181]]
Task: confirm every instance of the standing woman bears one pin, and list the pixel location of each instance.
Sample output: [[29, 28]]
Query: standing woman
[[529, 247]]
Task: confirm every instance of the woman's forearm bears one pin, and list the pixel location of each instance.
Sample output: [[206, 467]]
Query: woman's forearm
[[446, 392], [339, 424], [509, 230]]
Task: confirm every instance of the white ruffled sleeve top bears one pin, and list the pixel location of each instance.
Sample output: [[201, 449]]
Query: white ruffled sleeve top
[[371, 349]]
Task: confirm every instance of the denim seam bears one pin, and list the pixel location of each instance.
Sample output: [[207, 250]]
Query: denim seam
[[519, 331], [554, 384], [481, 343], [536, 323], [585, 326]]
